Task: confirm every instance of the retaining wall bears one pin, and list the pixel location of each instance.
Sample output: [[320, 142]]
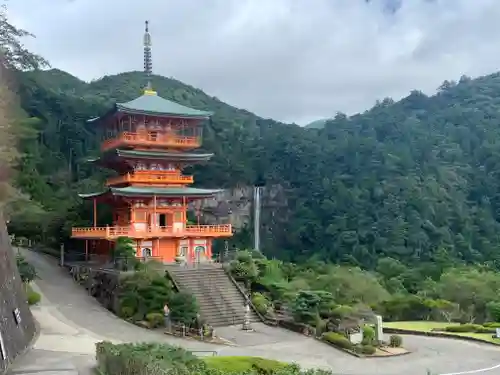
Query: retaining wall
[[17, 326]]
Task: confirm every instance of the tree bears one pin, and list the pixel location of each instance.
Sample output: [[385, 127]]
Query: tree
[[124, 253], [26, 270], [14, 55]]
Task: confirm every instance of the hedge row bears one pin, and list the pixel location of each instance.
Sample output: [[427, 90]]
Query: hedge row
[[162, 359], [144, 359], [437, 334]]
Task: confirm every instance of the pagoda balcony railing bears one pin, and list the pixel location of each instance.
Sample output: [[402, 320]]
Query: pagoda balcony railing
[[151, 177], [151, 140], [113, 232]]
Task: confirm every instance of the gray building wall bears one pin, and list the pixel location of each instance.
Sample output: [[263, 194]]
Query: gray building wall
[[15, 336]]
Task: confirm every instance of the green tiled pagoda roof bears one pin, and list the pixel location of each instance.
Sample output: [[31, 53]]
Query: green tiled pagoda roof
[[132, 191], [158, 155], [151, 104]]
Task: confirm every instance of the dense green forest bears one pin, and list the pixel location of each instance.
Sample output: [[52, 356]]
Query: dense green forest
[[414, 180]]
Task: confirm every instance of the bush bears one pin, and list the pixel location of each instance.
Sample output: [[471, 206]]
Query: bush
[[395, 341], [485, 330], [126, 312], [160, 359], [463, 328], [141, 293], [240, 364], [368, 334], [368, 349], [261, 303], [338, 340], [144, 359], [183, 308], [155, 320], [491, 325], [27, 271], [32, 296], [493, 309]]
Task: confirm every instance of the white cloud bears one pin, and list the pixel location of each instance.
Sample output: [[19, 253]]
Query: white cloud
[[292, 60]]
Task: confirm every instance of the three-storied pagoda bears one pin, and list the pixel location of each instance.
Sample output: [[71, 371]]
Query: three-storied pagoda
[[148, 141]]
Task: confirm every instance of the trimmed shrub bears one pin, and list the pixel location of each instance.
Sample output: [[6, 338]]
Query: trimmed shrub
[[144, 359], [261, 303], [368, 349], [491, 325], [338, 340], [485, 330], [358, 349], [155, 320], [368, 334], [126, 312], [463, 328], [26, 270], [395, 341], [32, 296]]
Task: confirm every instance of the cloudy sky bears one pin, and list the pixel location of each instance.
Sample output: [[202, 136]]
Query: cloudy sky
[[292, 60]]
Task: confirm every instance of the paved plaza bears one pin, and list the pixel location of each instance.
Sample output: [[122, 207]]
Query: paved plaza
[[72, 322]]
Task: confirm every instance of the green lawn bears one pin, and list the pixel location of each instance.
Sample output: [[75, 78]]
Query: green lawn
[[241, 364], [424, 326]]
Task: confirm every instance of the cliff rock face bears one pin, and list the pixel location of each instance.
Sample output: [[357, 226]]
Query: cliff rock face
[[17, 327], [236, 206]]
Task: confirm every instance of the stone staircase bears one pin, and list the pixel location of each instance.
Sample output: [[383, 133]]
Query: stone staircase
[[221, 302]]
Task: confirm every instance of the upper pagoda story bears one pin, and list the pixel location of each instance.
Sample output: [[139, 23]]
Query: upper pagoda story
[[151, 122]]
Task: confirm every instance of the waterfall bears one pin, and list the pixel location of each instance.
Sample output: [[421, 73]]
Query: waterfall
[[257, 191]]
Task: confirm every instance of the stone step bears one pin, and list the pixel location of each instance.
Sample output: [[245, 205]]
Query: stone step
[[221, 302]]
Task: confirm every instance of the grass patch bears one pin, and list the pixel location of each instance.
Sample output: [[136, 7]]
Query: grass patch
[[33, 297], [242, 364], [423, 326]]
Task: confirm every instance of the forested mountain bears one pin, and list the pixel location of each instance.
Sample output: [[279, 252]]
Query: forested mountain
[[318, 124], [416, 180]]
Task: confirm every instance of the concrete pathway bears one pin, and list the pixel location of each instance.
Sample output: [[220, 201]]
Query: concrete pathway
[[72, 322]]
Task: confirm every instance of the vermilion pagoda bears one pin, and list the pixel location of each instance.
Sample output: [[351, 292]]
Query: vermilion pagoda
[[148, 141]]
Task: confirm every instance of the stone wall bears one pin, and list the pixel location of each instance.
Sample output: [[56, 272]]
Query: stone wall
[[17, 327]]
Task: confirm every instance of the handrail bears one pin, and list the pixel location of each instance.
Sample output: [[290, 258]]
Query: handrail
[[152, 138], [117, 231], [245, 296], [151, 177]]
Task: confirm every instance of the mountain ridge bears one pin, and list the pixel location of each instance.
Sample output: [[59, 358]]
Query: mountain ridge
[[355, 189]]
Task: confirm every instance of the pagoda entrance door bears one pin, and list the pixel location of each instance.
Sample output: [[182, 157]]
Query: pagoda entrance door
[[162, 220]]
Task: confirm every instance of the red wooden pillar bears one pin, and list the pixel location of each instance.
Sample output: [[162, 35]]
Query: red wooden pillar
[[95, 213], [155, 224]]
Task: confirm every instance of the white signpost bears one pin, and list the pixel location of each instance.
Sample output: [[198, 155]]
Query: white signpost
[[379, 334], [2, 348]]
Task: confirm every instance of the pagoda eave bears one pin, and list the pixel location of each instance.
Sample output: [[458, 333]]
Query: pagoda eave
[[187, 193], [126, 111], [120, 155]]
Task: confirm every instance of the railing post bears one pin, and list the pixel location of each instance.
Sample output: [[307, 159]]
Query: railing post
[[107, 231]]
